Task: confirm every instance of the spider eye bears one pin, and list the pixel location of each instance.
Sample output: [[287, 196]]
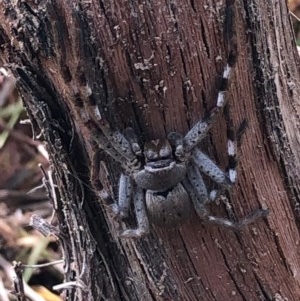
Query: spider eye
[[150, 154], [165, 150]]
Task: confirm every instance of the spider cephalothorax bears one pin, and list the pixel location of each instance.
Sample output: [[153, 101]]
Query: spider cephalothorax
[[164, 178], [160, 171]]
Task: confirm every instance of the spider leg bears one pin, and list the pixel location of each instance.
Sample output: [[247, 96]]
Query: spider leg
[[112, 142], [122, 154], [237, 226], [197, 190], [118, 141], [104, 143], [199, 205], [211, 169], [143, 227], [176, 140], [196, 180], [201, 128], [234, 139], [199, 187], [207, 166], [133, 140], [121, 208]]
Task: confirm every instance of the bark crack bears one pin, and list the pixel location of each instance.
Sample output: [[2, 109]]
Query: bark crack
[[235, 281], [194, 269]]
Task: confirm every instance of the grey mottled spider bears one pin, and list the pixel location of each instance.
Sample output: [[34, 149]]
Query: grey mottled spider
[[164, 178]]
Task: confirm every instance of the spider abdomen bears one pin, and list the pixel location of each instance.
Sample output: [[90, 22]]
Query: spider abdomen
[[169, 208]]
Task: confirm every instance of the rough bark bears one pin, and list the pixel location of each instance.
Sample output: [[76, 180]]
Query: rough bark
[[155, 66]]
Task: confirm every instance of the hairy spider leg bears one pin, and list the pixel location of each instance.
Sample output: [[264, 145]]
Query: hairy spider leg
[[125, 195], [115, 138], [103, 143], [197, 201], [233, 142], [207, 166], [203, 213], [143, 227], [120, 152], [196, 180], [118, 141], [232, 159], [176, 140], [198, 185], [237, 226], [229, 28], [133, 140], [201, 128]]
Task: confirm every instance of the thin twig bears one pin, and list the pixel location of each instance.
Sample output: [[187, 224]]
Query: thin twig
[[42, 265], [297, 18]]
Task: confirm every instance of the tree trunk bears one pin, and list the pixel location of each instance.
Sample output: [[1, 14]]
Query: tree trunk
[[155, 66]]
